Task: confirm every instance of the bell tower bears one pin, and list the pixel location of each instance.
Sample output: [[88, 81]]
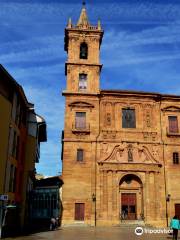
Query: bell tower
[[82, 44], [81, 125]]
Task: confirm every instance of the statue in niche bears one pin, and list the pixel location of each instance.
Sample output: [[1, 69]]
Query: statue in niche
[[108, 119], [130, 154]]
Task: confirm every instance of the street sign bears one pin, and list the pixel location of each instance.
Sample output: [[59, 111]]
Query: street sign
[[3, 197]]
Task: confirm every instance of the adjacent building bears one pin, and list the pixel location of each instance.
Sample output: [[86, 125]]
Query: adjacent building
[[121, 149], [45, 200], [21, 132]]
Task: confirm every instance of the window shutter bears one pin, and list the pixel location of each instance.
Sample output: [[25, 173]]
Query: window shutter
[[173, 124], [80, 155], [80, 121]]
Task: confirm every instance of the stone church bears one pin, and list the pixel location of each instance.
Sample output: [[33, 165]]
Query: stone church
[[121, 149]]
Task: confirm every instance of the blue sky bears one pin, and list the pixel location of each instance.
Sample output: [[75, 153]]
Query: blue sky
[[140, 51]]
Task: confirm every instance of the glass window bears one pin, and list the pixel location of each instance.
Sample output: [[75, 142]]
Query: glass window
[[12, 179], [80, 155], [82, 81], [175, 157], [173, 124], [83, 51], [80, 121], [128, 118]]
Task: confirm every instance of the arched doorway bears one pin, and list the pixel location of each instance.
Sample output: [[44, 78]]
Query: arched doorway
[[131, 198]]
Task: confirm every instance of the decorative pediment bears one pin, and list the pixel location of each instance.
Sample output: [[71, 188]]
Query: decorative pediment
[[171, 109], [130, 154], [79, 104]]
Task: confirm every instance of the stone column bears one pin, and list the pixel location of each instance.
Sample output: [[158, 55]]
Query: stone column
[[157, 196], [147, 200], [152, 195], [105, 195], [113, 115], [101, 193], [110, 191], [114, 195]]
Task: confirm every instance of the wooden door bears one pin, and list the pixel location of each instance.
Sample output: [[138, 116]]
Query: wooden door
[[128, 206], [177, 210], [79, 211]]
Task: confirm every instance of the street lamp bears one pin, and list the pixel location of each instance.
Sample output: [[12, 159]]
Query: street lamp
[[93, 197], [168, 197], [167, 209], [94, 201]]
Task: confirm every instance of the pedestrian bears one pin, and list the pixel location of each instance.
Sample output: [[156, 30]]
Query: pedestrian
[[57, 222], [175, 225], [52, 223]]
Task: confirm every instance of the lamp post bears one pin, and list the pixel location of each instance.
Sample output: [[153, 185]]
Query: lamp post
[[167, 209], [94, 201]]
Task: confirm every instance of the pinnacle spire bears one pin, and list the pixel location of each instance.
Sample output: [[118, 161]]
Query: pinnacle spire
[[69, 23], [83, 19]]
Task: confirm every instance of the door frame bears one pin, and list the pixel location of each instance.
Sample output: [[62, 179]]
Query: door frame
[[128, 204]]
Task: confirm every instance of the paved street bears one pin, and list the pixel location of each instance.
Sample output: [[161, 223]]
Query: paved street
[[90, 233]]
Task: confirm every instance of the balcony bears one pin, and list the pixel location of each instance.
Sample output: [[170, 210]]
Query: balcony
[[172, 133], [81, 130]]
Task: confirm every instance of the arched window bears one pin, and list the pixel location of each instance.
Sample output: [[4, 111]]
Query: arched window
[[82, 81], [83, 51]]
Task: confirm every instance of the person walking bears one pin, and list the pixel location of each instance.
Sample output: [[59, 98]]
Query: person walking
[[52, 223], [175, 225]]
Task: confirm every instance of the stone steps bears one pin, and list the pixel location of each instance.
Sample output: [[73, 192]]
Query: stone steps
[[131, 223]]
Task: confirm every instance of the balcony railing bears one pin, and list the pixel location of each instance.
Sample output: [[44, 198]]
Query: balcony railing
[[81, 129], [172, 133]]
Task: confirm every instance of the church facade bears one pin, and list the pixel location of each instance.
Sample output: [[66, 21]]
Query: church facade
[[120, 148]]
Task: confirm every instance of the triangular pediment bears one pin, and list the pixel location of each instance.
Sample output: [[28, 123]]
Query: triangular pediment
[[80, 104], [171, 109], [130, 155]]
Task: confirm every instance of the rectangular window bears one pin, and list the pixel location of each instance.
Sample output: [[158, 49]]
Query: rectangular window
[[12, 179], [15, 145], [173, 124], [175, 158], [128, 118], [82, 81], [79, 211], [80, 121], [80, 154]]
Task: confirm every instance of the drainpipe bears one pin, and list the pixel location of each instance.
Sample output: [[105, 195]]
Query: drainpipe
[[95, 167], [165, 185]]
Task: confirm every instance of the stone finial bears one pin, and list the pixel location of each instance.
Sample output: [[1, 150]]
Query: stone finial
[[69, 23], [83, 19], [99, 25]]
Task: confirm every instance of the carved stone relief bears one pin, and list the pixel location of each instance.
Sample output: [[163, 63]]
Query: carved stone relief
[[108, 119], [109, 134], [125, 153], [130, 153], [150, 136]]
